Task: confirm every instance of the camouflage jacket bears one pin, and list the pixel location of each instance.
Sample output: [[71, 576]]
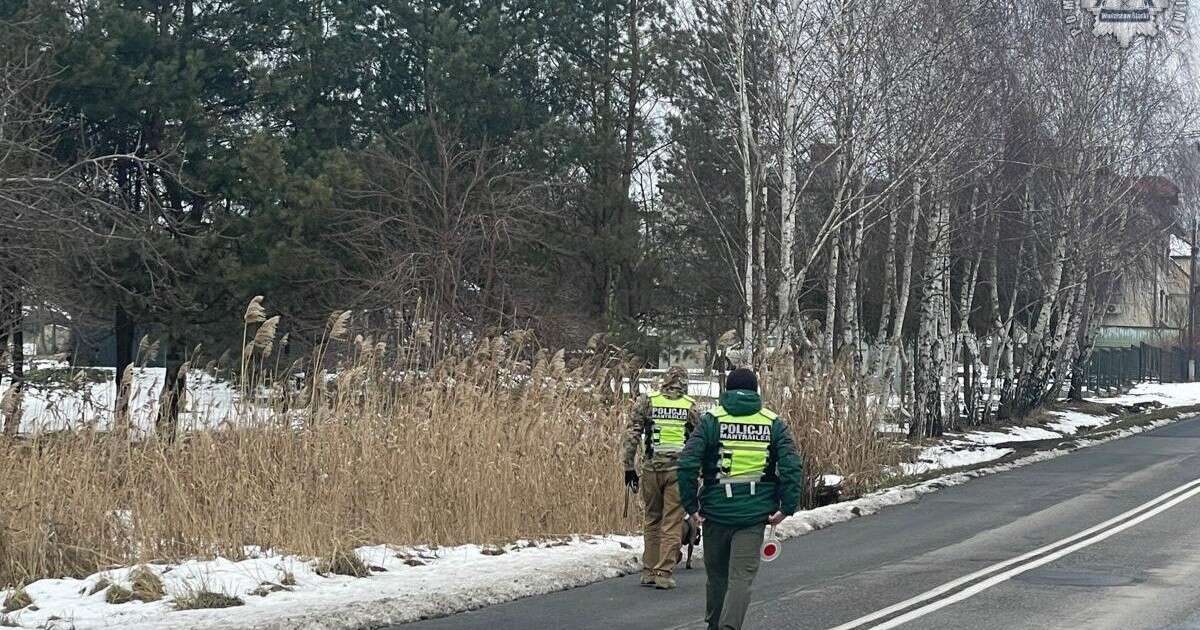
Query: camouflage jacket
[[639, 424]]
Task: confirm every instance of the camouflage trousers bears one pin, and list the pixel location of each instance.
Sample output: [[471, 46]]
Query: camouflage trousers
[[663, 527]]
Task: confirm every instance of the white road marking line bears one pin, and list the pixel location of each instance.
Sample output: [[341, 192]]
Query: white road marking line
[[1191, 489], [992, 581]]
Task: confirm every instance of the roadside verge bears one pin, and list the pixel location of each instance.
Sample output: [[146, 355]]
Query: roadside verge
[[281, 592]]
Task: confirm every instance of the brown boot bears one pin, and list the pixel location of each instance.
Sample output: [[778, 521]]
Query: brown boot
[[664, 582], [647, 579]]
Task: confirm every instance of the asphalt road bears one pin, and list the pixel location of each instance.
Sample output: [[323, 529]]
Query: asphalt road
[[1091, 540]]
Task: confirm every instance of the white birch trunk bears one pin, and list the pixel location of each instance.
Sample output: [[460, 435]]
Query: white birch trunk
[[966, 300], [760, 275], [1032, 381], [744, 146], [929, 371], [900, 312], [1008, 352], [889, 275], [999, 338], [831, 293], [851, 331], [1069, 333], [788, 199], [947, 344]]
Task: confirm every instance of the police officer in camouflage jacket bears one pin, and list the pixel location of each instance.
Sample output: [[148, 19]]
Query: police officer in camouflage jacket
[[657, 428]]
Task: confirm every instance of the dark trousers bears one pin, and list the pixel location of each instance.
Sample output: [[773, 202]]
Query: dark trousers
[[731, 561]]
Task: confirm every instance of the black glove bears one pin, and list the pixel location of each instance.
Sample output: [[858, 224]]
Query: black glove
[[631, 480]]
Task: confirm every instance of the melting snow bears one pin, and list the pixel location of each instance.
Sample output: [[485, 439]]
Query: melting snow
[[414, 584], [1169, 394], [946, 456], [1070, 422], [1014, 434]]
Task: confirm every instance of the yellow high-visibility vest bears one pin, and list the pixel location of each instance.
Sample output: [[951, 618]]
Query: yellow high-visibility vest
[[667, 431], [745, 442]]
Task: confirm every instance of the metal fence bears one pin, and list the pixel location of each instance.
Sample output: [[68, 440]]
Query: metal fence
[[1112, 368]]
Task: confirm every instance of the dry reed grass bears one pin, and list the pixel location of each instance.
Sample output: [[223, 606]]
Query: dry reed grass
[[16, 600], [198, 599], [498, 443], [145, 585], [117, 594], [502, 442], [834, 419]]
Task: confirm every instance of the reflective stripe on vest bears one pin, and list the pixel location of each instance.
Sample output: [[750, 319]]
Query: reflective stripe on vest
[[668, 423], [745, 442]]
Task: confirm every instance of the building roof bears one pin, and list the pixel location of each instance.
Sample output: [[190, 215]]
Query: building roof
[[1157, 185]]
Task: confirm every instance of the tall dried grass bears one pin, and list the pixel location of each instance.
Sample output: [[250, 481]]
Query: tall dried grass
[[495, 444], [502, 442], [834, 418]]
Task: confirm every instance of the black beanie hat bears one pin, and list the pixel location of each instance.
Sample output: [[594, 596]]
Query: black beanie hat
[[742, 378]]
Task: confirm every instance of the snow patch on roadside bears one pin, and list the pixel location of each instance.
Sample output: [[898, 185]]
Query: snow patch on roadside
[[1169, 394], [979, 446], [953, 455], [1013, 434], [1070, 422], [413, 584]]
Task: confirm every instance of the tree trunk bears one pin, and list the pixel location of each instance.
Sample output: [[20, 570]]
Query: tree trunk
[[174, 390], [1068, 330], [18, 340], [895, 342], [1089, 329], [787, 201], [760, 274], [6, 301], [851, 331], [123, 337], [745, 147], [947, 344], [962, 397], [16, 391], [889, 274], [1033, 380], [930, 365], [999, 336], [831, 300], [968, 385]]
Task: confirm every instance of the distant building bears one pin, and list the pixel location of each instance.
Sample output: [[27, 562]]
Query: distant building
[[1151, 306], [687, 353]]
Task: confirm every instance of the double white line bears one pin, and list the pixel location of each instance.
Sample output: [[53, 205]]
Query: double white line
[[983, 579]]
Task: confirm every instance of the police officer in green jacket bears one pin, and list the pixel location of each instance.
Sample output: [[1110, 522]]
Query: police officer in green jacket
[[752, 477]]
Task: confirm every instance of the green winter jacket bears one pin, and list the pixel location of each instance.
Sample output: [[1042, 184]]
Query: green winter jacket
[[779, 489]]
